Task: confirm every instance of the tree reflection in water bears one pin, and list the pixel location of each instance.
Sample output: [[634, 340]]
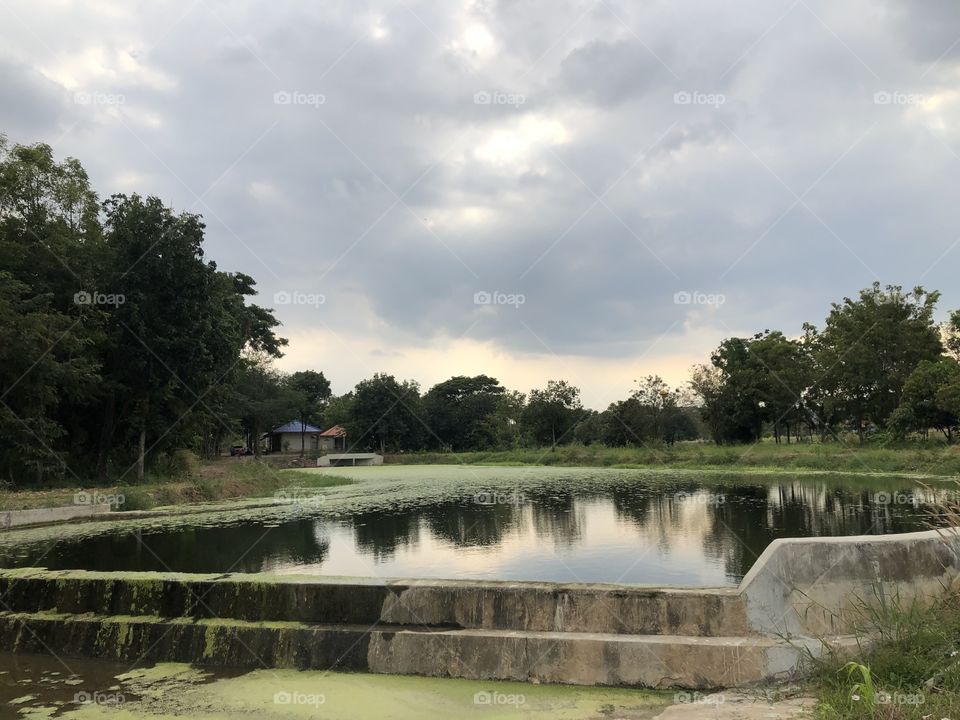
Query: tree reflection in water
[[691, 529]]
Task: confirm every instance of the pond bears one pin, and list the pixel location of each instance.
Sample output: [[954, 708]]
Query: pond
[[555, 524]]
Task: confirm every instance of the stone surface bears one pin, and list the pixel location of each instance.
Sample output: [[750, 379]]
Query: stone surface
[[800, 594], [50, 516], [738, 706]]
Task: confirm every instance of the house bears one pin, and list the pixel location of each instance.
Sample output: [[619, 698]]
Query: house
[[334, 439], [292, 437], [295, 436]]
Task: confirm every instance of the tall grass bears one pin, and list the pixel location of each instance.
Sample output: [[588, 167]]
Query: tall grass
[[910, 669], [934, 459], [909, 664], [190, 484]]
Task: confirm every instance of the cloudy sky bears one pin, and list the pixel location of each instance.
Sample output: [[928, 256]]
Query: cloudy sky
[[587, 189]]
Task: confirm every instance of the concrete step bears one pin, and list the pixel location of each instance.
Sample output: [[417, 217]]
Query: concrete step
[[541, 656], [527, 606]]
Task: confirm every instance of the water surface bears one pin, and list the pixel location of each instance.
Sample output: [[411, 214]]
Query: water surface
[[551, 524]]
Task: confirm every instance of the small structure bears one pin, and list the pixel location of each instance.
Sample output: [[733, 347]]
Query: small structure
[[349, 460], [334, 439], [293, 437]]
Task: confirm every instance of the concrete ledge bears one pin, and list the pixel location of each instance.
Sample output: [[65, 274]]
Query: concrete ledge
[[814, 586], [349, 459], [48, 516], [548, 607], [799, 599], [580, 658]]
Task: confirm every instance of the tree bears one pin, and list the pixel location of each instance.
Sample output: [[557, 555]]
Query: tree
[[731, 393], [49, 239], [388, 414], [458, 411], [262, 400], [870, 346], [128, 333], [784, 370], [928, 399], [552, 413], [314, 389]]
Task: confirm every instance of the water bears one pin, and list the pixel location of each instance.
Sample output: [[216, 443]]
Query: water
[[538, 524]]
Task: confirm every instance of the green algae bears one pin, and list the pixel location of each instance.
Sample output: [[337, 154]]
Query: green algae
[[171, 690], [399, 486]]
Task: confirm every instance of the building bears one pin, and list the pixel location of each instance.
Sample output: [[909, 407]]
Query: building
[[295, 436], [334, 439], [292, 437]]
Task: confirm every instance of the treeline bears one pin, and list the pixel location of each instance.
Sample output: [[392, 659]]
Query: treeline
[[120, 344], [880, 367], [119, 341], [467, 413]]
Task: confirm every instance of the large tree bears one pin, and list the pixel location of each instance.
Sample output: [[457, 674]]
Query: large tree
[[460, 411], [928, 399], [387, 414], [314, 388], [552, 413], [871, 344]]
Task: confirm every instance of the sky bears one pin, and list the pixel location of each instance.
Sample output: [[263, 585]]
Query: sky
[[592, 190]]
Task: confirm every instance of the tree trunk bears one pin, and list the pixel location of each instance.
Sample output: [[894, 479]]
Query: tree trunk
[[106, 437], [141, 450]]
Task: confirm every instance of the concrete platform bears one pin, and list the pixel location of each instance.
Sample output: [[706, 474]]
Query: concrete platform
[[800, 598], [349, 459]]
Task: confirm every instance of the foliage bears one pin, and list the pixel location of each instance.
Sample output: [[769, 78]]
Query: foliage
[[552, 413], [118, 340]]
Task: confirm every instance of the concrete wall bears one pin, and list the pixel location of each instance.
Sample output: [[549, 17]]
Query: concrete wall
[[800, 596], [290, 442], [349, 459], [812, 586], [46, 516]]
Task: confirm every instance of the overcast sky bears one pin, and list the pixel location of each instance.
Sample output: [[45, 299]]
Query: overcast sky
[[591, 190]]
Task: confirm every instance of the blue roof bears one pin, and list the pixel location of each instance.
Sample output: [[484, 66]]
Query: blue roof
[[294, 426]]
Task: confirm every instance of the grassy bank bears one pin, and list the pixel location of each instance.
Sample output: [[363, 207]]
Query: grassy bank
[[912, 672], [932, 459], [222, 480]]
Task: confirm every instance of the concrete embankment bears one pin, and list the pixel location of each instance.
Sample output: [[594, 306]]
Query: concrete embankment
[[800, 595], [53, 515]]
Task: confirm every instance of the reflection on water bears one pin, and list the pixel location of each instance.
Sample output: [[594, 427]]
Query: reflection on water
[[691, 534]]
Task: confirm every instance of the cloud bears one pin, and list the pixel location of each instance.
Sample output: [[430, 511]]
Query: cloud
[[597, 159]]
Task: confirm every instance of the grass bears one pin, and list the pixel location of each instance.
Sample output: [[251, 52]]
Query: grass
[[927, 459], [910, 672], [223, 480]]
